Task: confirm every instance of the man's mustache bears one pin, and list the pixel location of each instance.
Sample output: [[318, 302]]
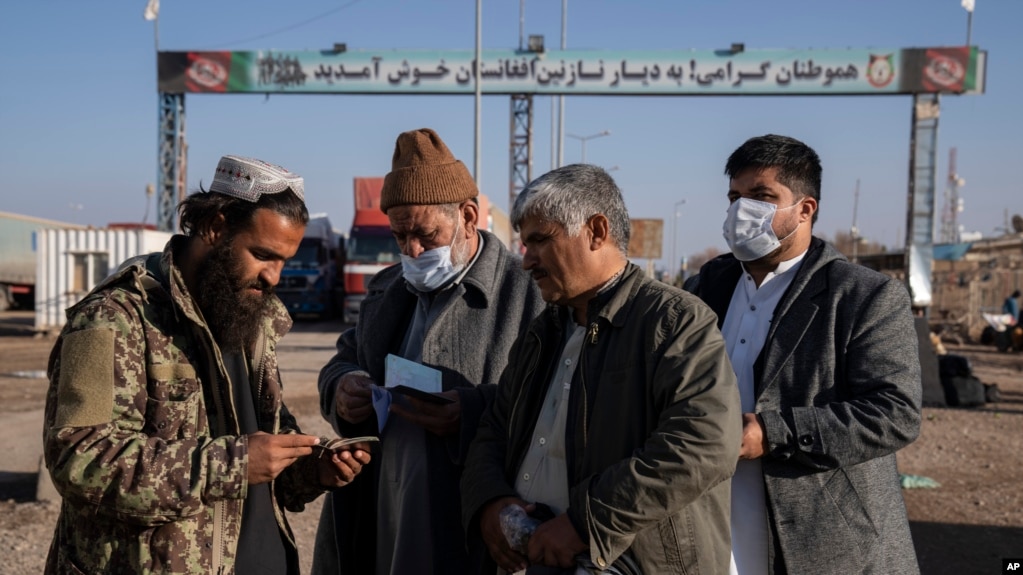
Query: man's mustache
[[260, 285]]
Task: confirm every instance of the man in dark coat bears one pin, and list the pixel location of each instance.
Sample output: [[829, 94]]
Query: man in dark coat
[[456, 303], [826, 357]]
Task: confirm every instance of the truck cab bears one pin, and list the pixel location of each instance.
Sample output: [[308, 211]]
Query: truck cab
[[371, 248], [309, 283]]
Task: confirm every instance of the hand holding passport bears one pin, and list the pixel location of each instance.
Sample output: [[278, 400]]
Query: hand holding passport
[[413, 379], [408, 378], [345, 444]]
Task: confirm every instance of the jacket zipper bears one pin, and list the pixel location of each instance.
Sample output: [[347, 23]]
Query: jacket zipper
[[260, 378], [213, 369], [594, 329], [260, 366]]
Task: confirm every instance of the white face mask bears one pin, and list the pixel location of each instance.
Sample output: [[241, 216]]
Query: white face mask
[[748, 229], [432, 269]]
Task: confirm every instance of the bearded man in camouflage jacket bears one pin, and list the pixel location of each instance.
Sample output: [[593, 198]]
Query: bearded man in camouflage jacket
[[166, 434]]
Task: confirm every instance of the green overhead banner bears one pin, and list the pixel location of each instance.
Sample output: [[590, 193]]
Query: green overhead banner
[[953, 70]]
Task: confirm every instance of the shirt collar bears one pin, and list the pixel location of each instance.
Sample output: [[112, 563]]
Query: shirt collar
[[783, 268]]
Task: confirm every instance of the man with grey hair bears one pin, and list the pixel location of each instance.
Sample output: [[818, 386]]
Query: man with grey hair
[[616, 420], [456, 303]]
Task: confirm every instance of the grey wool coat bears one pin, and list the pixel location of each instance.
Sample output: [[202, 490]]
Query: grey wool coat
[[838, 388], [469, 343]]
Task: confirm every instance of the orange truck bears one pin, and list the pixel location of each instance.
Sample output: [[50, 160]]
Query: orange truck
[[371, 247]]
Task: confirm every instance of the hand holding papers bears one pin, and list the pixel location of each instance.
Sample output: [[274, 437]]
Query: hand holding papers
[[413, 379], [421, 395], [408, 378], [435, 411]]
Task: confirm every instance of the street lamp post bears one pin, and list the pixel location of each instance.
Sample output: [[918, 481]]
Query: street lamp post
[[478, 144], [582, 141], [674, 241]]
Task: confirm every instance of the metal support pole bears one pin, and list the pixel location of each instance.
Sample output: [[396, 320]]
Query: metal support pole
[[477, 161], [521, 153], [674, 242], [920, 210], [561, 98], [554, 132], [171, 158], [969, 26], [582, 142], [854, 232], [522, 24]]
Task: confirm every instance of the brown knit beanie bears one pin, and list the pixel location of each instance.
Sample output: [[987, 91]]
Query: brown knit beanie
[[423, 171]]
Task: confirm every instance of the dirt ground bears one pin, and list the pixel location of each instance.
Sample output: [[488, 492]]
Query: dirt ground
[[965, 526], [26, 525]]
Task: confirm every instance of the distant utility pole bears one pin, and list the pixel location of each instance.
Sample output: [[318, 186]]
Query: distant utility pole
[[582, 141], [478, 144], [854, 232], [561, 98], [674, 241], [953, 203]]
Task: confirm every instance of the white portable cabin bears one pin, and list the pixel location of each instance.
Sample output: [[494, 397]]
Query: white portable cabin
[[70, 262]]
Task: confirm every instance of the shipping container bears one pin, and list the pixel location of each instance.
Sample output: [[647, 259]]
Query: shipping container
[[18, 241], [70, 262]]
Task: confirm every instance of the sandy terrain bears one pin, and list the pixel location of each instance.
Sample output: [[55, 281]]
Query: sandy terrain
[[964, 526]]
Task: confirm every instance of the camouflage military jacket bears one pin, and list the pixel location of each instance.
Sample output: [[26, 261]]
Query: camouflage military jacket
[[141, 434]]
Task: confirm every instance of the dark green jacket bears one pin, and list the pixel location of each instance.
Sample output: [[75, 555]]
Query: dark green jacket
[[141, 435], [653, 431]]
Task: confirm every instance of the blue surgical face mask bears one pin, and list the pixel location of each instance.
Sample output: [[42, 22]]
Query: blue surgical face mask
[[749, 231], [431, 270]]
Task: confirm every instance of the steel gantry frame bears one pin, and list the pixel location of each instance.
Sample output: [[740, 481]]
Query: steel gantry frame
[[172, 155], [530, 70], [172, 160], [521, 158], [171, 179], [923, 170]]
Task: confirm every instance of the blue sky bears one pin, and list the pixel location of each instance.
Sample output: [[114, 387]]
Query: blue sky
[[78, 104]]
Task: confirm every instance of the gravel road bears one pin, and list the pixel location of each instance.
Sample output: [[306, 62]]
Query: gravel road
[[964, 526]]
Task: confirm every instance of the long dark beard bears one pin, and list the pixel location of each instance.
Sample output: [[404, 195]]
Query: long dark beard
[[232, 314]]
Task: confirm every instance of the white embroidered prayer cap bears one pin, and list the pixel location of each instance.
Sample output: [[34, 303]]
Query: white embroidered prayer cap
[[249, 178]]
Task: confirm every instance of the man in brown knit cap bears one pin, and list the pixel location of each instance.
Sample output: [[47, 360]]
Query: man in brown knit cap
[[456, 304]]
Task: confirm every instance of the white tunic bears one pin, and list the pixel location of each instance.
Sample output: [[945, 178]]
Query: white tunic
[[745, 331]]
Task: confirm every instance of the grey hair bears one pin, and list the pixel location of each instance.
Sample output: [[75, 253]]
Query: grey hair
[[570, 196], [450, 210]]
